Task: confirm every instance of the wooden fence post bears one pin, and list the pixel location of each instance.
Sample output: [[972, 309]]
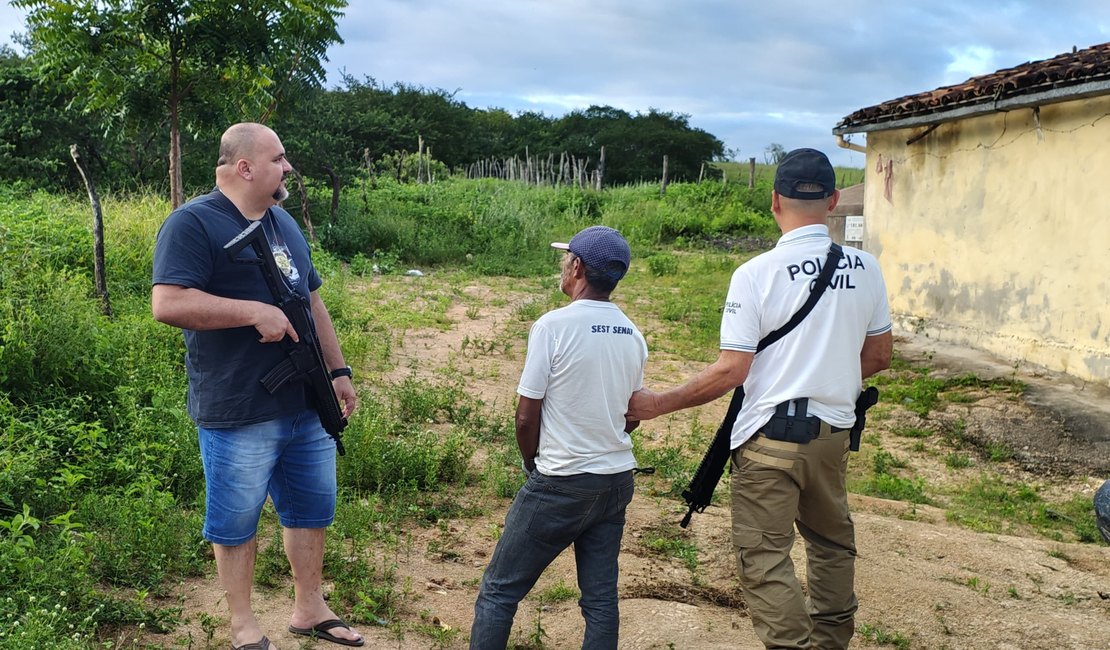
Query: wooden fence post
[[751, 173], [99, 278], [663, 185], [601, 169]]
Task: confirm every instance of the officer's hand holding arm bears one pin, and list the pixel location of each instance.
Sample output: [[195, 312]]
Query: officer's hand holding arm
[[726, 373], [528, 430]]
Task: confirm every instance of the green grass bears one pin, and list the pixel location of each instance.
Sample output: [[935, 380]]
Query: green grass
[[881, 636], [912, 432], [738, 171], [558, 593], [671, 541], [919, 390], [675, 458], [990, 503], [956, 460], [680, 313], [98, 454]]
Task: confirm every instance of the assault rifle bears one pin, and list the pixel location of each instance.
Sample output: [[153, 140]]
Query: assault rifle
[[304, 359], [699, 493]]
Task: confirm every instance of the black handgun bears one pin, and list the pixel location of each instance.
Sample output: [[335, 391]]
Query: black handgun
[[868, 398], [304, 359]]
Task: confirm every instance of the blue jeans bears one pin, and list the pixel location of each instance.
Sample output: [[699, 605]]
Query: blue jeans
[[549, 514], [291, 458]]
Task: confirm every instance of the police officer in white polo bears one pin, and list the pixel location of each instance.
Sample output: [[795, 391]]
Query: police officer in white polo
[[811, 379]]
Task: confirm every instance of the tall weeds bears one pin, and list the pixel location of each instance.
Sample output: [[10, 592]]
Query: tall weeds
[[97, 455]]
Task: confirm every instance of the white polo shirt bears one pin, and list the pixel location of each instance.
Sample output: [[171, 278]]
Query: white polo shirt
[[584, 361], [820, 358]]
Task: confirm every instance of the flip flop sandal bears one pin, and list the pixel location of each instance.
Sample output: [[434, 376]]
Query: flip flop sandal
[[261, 644], [320, 631]]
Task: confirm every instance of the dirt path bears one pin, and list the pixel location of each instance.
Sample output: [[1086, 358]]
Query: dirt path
[[922, 583]]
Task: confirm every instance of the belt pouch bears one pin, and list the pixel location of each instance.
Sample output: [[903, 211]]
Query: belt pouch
[[797, 428]]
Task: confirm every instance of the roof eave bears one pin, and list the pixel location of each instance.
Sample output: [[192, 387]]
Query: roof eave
[[1040, 98]]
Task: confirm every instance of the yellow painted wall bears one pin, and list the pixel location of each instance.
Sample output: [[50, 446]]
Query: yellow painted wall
[[997, 236]]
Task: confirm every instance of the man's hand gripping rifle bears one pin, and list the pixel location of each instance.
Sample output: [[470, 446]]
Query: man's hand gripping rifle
[[305, 359]]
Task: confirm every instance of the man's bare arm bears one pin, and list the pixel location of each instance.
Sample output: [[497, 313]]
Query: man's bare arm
[[528, 429], [726, 373], [197, 310], [876, 354]]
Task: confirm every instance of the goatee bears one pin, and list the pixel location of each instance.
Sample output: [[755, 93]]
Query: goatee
[[281, 193]]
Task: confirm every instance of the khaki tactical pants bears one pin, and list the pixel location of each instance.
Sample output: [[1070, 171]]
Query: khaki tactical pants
[[776, 485]]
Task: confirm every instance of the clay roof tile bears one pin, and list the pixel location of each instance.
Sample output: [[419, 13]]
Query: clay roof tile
[[1068, 69]]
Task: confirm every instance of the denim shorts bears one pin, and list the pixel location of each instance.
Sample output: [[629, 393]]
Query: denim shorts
[[291, 458]]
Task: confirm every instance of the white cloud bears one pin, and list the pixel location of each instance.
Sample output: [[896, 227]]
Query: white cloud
[[970, 61]]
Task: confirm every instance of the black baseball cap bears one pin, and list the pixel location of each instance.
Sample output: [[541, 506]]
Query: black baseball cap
[[805, 166]]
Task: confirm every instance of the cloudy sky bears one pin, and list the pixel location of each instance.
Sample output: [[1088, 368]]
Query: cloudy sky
[[750, 72]]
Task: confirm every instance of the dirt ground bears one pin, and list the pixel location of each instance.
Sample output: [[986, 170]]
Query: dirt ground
[[920, 579]]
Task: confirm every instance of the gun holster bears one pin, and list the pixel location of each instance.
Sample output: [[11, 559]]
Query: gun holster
[[799, 427]]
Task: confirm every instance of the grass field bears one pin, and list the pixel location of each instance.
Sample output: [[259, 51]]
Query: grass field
[[98, 454], [738, 172]]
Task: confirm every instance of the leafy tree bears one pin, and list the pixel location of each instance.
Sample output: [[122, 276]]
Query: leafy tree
[[774, 153], [635, 144], [35, 131], [147, 63]]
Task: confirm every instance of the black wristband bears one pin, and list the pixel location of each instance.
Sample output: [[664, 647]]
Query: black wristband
[[345, 371]]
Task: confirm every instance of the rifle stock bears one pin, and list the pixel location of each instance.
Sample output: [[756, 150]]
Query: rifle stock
[[305, 358]]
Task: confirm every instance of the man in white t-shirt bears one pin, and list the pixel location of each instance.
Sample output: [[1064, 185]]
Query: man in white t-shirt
[[584, 362], [790, 441]]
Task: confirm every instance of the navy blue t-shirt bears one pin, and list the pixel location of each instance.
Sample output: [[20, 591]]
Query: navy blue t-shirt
[[225, 366]]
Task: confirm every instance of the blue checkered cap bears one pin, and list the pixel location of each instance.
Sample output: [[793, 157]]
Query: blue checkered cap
[[601, 249]]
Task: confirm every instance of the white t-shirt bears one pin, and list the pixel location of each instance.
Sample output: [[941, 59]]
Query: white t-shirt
[[820, 358], [584, 361]]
